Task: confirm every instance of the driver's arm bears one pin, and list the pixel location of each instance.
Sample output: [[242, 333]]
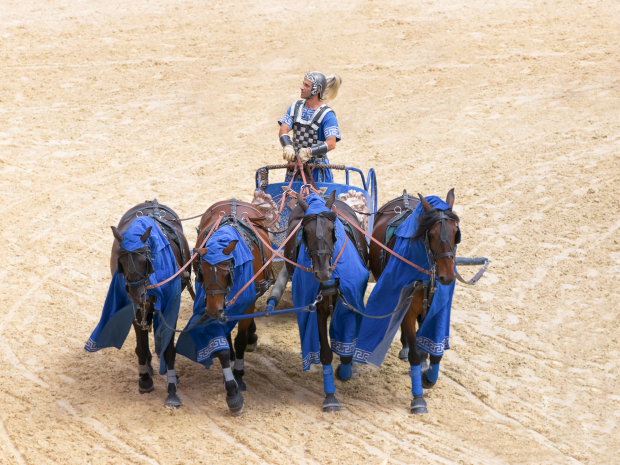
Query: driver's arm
[[331, 143], [284, 129]]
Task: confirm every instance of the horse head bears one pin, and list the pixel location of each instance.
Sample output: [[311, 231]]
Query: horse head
[[439, 229], [135, 266], [319, 238], [220, 280]]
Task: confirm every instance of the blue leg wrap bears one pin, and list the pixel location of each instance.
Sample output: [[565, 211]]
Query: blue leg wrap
[[345, 371], [328, 379], [433, 372], [416, 380]]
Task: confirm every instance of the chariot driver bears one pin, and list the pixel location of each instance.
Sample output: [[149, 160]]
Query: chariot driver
[[314, 125]]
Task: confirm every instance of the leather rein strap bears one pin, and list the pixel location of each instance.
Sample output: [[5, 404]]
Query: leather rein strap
[[190, 260], [383, 246], [478, 275]]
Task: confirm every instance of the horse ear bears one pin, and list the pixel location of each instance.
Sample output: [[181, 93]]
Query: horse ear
[[302, 203], [450, 198], [117, 234], [146, 234], [201, 251], [230, 247], [331, 200], [425, 204]]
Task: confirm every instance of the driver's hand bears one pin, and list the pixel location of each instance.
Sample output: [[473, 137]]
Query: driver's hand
[[305, 154], [289, 153]]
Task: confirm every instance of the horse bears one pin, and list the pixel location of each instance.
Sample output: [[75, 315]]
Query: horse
[[330, 248], [434, 240], [156, 249], [232, 255]]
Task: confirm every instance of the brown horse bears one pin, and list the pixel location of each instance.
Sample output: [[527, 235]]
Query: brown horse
[[440, 231], [319, 239], [136, 268], [216, 281]]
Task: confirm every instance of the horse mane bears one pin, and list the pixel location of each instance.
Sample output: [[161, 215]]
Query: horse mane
[[428, 219]]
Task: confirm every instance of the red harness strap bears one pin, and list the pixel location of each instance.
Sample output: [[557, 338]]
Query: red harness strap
[[153, 286]]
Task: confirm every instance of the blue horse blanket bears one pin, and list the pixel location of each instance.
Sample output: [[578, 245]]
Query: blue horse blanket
[[345, 324], [391, 292], [118, 311], [202, 342]]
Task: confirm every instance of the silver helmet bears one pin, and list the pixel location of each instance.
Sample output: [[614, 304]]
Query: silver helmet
[[319, 83]]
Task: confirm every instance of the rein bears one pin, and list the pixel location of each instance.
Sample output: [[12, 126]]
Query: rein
[[383, 246], [232, 301], [153, 286]]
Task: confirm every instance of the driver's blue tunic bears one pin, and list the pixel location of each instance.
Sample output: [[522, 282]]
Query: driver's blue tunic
[[327, 128]]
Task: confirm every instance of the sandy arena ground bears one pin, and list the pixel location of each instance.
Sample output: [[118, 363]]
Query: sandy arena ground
[[516, 104]]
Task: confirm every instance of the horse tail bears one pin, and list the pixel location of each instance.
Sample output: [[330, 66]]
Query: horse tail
[[331, 89]]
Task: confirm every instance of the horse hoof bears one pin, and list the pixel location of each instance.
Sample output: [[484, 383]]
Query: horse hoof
[[426, 384], [235, 404], [331, 404], [241, 385], [404, 354], [146, 385], [418, 405], [173, 401], [252, 347]]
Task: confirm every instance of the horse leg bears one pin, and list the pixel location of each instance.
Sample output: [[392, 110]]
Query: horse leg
[[418, 404], [145, 370], [233, 356], [234, 399], [346, 370], [330, 404], [241, 344], [430, 376], [252, 337], [404, 352], [173, 400]]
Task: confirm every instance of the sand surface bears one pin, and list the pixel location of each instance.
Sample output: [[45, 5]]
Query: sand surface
[[515, 104]]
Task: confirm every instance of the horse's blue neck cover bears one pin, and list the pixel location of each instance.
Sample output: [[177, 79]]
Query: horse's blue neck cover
[[376, 335], [345, 324], [202, 342], [219, 240], [118, 312]]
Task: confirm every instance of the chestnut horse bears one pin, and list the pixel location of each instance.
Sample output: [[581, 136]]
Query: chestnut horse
[[216, 280], [440, 232]]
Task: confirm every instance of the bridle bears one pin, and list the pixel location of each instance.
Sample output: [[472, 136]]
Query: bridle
[[144, 279], [213, 278], [318, 235], [433, 256]]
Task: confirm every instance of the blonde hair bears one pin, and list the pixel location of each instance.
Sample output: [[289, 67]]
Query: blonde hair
[[331, 89]]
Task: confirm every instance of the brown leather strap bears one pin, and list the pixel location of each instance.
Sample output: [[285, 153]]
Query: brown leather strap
[[153, 286], [381, 245]]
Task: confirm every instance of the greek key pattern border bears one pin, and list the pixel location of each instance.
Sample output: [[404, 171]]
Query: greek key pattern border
[[218, 343], [91, 346], [343, 349], [433, 348]]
